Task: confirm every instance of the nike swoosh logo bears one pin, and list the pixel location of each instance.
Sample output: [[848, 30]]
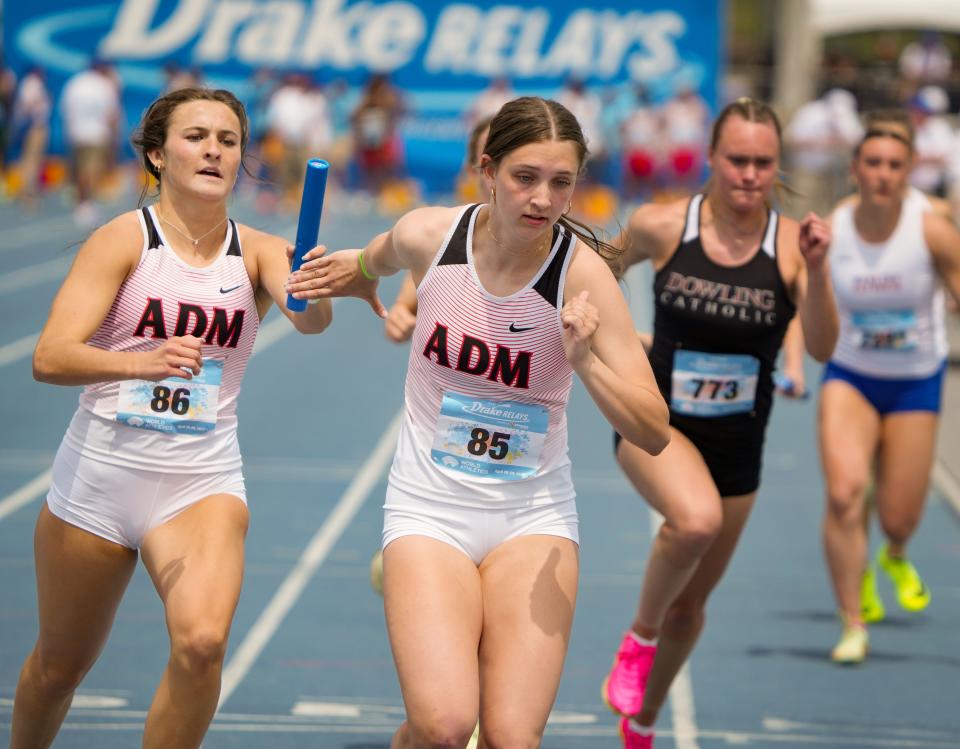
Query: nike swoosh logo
[[232, 288], [515, 329]]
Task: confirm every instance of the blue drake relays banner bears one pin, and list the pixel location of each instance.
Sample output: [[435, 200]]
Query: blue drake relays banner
[[440, 53]]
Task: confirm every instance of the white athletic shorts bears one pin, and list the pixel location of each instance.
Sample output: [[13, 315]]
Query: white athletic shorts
[[121, 504], [474, 531]]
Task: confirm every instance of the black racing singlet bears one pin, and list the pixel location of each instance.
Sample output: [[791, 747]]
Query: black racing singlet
[[717, 332]]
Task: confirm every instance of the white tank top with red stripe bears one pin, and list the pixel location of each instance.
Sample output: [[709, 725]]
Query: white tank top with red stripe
[[183, 426], [487, 384]]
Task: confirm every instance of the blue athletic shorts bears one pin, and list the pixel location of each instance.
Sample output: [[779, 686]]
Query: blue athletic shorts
[[891, 396]]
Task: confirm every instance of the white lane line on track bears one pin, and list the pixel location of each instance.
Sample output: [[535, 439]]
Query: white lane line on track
[[279, 725], [17, 350], [25, 494], [353, 715], [32, 275], [947, 484], [269, 334], [313, 556], [682, 711]]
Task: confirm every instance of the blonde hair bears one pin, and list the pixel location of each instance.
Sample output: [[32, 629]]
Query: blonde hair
[[749, 110]]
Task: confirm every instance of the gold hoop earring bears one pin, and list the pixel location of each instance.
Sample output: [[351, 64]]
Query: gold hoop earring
[[493, 194]]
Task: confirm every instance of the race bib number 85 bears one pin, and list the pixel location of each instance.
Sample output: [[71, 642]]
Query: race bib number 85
[[495, 439], [175, 405]]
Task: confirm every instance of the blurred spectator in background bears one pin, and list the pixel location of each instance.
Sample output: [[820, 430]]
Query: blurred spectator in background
[[819, 139], [340, 105], [299, 118], [488, 102], [587, 107], [178, 77], [8, 85], [90, 107], [470, 187], [927, 60], [686, 131], [934, 140], [321, 134], [641, 134], [375, 123], [843, 70], [31, 124], [262, 163], [617, 103]]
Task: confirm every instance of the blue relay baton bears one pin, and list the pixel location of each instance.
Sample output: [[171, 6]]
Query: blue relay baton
[[308, 226]]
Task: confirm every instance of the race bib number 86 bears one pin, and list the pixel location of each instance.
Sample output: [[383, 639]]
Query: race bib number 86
[[175, 405]]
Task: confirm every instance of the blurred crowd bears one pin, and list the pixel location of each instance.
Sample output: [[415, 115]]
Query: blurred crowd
[[643, 146], [293, 117], [923, 78]]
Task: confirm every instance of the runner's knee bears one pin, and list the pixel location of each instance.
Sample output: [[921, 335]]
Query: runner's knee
[[446, 729], [57, 676], [845, 499], [200, 648], [692, 532], [899, 525]]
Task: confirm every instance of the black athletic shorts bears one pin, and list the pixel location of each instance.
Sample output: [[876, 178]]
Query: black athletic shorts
[[731, 446]]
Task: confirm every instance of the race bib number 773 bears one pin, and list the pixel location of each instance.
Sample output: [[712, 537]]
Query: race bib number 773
[[713, 384]]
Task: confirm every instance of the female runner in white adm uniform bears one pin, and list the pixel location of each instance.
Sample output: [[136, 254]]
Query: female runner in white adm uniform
[[157, 318], [480, 534]]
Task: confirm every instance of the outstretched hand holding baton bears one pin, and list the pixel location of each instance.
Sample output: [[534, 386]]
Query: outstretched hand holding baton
[[342, 274]]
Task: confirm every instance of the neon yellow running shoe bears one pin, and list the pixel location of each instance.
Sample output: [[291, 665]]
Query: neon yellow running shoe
[[871, 605], [853, 645], [912, 594]]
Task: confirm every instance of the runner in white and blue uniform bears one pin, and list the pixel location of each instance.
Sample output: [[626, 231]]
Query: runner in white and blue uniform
[[880, 399]]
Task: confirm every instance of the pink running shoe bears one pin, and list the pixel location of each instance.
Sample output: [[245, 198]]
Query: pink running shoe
[[624, 686], [633, 739]]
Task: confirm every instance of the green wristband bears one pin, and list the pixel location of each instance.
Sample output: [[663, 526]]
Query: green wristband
[[363, 268]]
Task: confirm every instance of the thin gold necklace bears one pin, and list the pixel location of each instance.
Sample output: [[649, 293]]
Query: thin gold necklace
[[182, 233], [506, 249]]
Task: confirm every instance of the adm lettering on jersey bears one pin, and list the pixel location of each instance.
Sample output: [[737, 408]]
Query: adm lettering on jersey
[[193, 319], [475, 358]]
